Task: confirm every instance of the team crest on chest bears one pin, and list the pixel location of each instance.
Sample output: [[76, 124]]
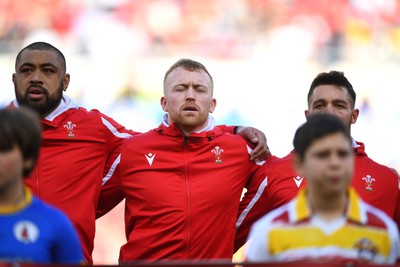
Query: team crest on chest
[[70, 128], [26, 232], [366, 250], [217, 151], [369, 180]]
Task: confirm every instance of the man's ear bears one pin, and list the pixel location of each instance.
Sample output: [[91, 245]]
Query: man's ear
[[213, 104], [163, 102], [66, 81], [306, 113], [354, 115]]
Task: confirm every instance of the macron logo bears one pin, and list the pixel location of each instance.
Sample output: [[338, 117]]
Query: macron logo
[[298, 180], [150, 157]]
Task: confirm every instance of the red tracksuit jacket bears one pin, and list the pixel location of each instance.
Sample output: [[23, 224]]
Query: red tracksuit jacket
[[377, 185], [183, 193], [79, 149]]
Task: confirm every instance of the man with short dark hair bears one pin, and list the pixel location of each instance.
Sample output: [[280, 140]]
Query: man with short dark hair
[[327, 220], [332, 93], [79, 147]]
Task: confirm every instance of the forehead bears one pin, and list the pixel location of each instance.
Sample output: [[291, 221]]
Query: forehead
[[334, 141], [330, 92], [184, 76], [38, 57]]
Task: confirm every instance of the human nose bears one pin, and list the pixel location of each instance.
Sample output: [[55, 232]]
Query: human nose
[[36, 76], [335, 161], [190, 93], [329, 110]]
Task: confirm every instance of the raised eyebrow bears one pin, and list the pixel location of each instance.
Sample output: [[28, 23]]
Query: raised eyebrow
[[199, 85], [181, 84], [48, 65], [340, 101], [344, 151], [26, 64], [318, 101], [44, 65], [321, 153], [187, 85]]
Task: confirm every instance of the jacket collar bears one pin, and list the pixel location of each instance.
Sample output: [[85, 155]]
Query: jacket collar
[[358, 148], [210, 123], [210, 131], [301, 210], [66, 103]]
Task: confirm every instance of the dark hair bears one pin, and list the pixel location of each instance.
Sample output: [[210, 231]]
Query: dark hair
[[21, 127], [187, 64], [332, 78], [44, 47], [317, 126]]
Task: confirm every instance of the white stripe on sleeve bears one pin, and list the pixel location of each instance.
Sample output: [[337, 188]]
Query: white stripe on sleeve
[[246, 211], [114, 130], [111, 171]]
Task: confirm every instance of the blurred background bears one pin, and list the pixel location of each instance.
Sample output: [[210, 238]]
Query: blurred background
[[263, 55]]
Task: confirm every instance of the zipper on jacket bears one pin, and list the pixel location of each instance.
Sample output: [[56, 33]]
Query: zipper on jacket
[[188, 221]]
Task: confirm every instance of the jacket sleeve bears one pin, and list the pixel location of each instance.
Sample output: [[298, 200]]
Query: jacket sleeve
[[253, 204], [397, 212], [111, 193], [227, 129], [396, 216]]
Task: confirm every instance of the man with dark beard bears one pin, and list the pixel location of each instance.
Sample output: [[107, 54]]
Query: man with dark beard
[[53, 71], [80, 148]]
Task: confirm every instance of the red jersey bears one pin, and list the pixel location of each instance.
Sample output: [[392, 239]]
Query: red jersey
[[377, 185], [183, 193], [79, 149]]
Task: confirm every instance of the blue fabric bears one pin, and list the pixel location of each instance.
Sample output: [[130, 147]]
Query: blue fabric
[[38, 233]]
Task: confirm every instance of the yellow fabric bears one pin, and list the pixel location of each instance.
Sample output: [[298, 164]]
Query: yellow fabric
[[18, 206], [307, 236], [303, 209], [353, 207], [304, 235]]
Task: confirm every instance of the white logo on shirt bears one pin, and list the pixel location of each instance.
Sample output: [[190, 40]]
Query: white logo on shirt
[[217, 151], [26, 232], [150, 157], [70, 128], [369, 180], [298, 180]]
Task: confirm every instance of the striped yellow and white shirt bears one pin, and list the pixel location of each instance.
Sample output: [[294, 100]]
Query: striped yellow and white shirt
[[293, 232]]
